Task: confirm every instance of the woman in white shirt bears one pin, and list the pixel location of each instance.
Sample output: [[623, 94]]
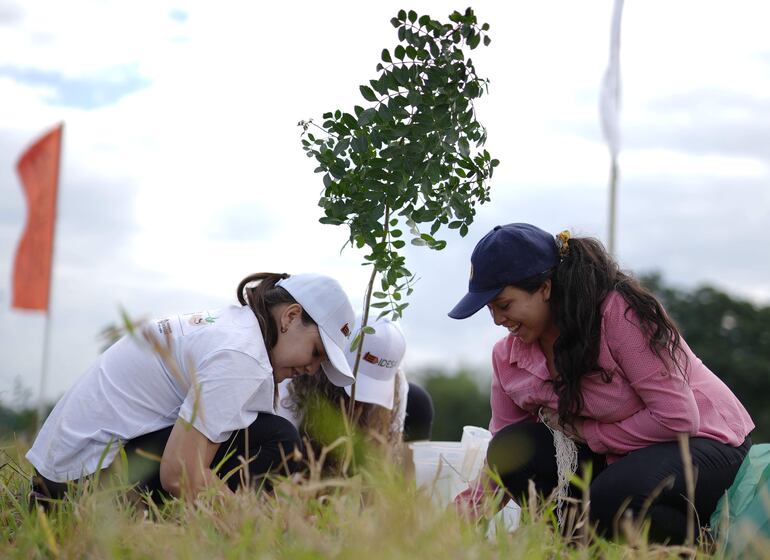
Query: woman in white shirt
[[205, 394]]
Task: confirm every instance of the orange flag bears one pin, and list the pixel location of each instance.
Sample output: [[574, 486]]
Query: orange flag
[[38, 170]]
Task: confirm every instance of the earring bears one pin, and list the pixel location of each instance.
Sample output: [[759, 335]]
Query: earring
[[283, 330]]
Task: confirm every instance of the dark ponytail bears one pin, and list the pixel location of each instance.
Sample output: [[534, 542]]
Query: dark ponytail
[[260, 293], [586, 275]]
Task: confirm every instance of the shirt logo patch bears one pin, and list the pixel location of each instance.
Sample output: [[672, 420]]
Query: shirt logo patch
[[345, 330], [198, 319]]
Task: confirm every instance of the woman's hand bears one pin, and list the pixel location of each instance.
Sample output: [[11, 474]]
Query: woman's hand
[[574, 430], [185, 465]]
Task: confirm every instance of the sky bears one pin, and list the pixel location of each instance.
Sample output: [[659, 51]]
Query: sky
[[183, 171]]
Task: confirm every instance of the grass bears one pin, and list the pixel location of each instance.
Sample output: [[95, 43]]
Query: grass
[[376, 514]]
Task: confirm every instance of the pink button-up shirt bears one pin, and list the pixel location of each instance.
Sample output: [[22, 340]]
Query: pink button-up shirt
[[646, 401]]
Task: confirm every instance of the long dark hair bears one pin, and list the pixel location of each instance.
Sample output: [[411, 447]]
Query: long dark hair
[[586, 275], [260, 293]]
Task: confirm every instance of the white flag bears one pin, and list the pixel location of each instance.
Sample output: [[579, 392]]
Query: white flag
[[609, 101]]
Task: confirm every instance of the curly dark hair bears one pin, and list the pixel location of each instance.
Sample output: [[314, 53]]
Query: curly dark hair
[[586, 275]]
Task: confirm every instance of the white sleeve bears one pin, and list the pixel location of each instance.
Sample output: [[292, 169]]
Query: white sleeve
[[230, 389]]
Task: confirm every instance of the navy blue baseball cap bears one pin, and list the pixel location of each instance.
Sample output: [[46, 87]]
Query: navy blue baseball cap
[[504, 256]]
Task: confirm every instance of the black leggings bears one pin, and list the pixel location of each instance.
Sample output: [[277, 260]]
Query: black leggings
[[524, 451], [264, 445], [419, 414]]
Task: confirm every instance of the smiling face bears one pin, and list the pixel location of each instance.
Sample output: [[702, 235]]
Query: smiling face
[[525, 315], [299, 350]]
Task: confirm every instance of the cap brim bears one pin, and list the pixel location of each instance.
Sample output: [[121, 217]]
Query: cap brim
[[336, 367], [374, 391], [472, 302]]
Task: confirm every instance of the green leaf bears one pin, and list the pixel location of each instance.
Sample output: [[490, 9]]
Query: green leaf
[[331, 221], [386, 56], [367, 116], [384, 112], [368, 330], [398, 244], [380, 304], [438, 245], [418, 242], [368, 93], [400, 52], [465, 149], [380, 295], [412, 16], [356, 342], [487, 40]]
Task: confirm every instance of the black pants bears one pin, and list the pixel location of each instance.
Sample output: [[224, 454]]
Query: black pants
[[419, 414], [523, 451], [264, 445]]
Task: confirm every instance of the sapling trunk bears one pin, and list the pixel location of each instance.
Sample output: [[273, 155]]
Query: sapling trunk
[[365, 318]]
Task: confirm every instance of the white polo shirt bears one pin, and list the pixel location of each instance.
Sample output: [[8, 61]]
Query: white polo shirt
[[224, 380]]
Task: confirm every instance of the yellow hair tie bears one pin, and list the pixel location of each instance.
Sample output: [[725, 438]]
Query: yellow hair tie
[[562, 242]]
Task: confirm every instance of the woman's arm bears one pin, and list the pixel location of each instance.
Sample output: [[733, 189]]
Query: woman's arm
[[504, 413], [504, 410], [185, 465]]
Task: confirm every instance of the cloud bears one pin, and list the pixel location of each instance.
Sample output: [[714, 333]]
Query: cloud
[[87, 92], [187, 173], [10, 14]]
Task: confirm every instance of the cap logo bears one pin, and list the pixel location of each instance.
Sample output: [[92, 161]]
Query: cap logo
[[371, 358], [345, 330]]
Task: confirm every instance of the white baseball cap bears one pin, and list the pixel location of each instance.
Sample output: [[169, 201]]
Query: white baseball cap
[[381, 357], [326, 303]]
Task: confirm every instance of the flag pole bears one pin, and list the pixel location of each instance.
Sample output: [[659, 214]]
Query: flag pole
[[41, 404], [44, 366]]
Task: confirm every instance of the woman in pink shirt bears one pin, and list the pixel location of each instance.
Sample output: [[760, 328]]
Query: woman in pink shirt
[[593, 353]]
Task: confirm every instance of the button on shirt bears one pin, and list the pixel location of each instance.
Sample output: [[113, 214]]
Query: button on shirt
[[646, 401]]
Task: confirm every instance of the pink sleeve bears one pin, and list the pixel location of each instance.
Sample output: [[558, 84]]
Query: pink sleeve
[[670, 406], [504, 413], [504, 410]]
